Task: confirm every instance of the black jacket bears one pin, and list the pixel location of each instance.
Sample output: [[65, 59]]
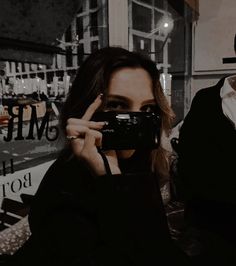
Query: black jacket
[[207, 145], [206, 165], [117, 220]]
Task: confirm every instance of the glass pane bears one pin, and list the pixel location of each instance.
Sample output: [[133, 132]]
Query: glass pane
[[159, 3], [79, 27], [80, 53], [69, 57], [159, 51], [141, 18], [142, 45], [68, 37], [157, 18], [93, 4], [23, 67], [94, 46], [94, 24], [149, 2]]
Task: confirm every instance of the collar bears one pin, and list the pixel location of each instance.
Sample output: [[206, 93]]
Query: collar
[[227, 89]]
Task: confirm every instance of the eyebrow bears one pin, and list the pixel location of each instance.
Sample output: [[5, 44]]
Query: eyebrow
[[114, 96], [151, 101], [123, 98]]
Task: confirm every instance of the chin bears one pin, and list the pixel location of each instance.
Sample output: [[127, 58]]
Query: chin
[[125, 154]]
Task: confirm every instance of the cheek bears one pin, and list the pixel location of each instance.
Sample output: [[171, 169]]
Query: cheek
[[125, 154]]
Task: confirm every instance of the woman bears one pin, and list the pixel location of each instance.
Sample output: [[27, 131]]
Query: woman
[[98, 207]]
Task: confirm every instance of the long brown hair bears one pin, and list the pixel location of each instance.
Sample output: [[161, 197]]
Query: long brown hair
[[93, 78]]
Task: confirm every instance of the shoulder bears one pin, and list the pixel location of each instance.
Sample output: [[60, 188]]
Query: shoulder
[[204, 106], [66, 172], [205, 94], [209, 92], [206, 99]]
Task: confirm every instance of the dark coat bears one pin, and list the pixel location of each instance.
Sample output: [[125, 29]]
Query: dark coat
[[117, 220], [206, 166]]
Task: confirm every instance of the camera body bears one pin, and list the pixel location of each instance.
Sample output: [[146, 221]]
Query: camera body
[[129, 130]]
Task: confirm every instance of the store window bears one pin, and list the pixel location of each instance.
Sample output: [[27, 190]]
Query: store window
[[35, 93], [149, 26], [91, 28]]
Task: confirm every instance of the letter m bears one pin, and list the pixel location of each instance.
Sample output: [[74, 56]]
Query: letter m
[[34, 121]]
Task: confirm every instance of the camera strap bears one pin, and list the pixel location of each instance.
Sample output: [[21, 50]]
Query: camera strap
[[106, 164]]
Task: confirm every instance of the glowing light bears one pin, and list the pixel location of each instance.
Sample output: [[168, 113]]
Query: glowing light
[[166, 25]]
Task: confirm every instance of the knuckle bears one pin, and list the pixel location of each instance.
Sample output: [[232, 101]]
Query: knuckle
[[70, 120], [99, 134], [68, 128]]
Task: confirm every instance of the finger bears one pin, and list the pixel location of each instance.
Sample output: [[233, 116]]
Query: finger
[[76, 130], [92, 139], [92, 108], [89, 124], [77, 146], [83, 146], [97, 135]]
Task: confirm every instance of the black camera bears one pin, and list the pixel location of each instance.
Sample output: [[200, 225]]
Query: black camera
[[129, 130]]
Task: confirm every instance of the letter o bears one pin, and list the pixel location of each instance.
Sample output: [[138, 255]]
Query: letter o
[[16, 185]]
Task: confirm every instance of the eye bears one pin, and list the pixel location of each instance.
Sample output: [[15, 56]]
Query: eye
[[116, 106], [150, 108]]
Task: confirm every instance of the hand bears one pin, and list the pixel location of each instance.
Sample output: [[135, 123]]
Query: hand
[[86, 139]]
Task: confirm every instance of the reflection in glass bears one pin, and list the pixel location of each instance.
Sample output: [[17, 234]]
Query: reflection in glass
[[142, 45], [94, 24], [159, 51], [149, 2], [141, 18]]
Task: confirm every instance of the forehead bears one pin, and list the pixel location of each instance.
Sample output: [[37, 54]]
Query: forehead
[[131, 82]]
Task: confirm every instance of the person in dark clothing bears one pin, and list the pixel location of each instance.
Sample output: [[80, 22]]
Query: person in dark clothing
[[97, 207], [206, 168]]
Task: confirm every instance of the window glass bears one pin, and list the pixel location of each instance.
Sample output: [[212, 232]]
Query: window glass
[[141, 18], [142, 45]]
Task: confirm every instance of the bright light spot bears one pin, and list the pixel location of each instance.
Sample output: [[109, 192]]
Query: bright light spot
[[166, 25], [142, 44]]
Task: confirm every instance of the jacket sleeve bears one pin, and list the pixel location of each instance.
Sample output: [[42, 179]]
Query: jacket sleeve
[[118, 221], [192, 148], [199, 152]]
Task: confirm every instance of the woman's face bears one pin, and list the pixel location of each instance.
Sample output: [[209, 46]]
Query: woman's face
[[130, 89]]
